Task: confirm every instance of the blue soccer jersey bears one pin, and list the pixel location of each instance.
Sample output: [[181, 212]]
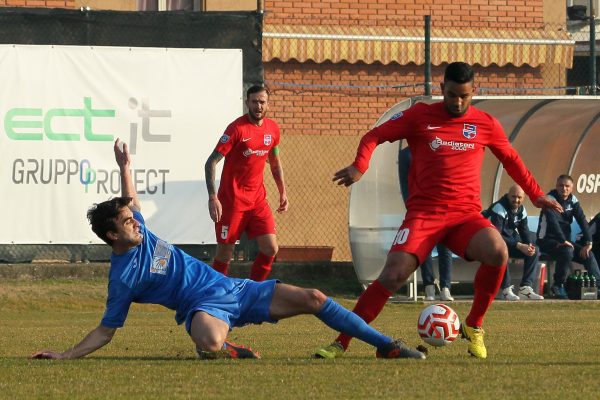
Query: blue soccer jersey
[[159, 273]]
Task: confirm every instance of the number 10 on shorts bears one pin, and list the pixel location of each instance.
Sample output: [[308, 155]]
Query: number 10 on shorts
[[401, 236]]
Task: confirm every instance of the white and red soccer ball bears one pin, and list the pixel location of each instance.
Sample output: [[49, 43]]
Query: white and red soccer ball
[[438, 325]]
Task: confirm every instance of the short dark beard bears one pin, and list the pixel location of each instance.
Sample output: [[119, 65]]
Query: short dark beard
[[253, 117]]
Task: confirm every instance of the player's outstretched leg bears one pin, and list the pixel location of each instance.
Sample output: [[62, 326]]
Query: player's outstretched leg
[[398, 267], [289, 301], [369, 305], [337, 317]]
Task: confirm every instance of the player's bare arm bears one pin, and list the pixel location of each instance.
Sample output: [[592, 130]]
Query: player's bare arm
[[123, 159], [94, 340], [214, 205], [277, 172], [548, 202], [347, 176]]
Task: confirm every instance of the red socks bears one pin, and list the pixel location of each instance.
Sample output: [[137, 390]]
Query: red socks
[[220, 266], [486, 285], [261, 267], [368, 307]]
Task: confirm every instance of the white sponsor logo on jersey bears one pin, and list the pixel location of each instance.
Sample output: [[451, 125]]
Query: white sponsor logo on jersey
[[459, 146], [249, 152]]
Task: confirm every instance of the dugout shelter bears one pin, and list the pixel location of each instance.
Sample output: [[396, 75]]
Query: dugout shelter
[[553, 135]]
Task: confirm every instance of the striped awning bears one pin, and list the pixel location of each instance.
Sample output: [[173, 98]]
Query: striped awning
[[405, 46]]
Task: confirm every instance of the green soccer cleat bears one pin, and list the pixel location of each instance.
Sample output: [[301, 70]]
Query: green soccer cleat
[[331, 351], [398, 349], [475, 337]]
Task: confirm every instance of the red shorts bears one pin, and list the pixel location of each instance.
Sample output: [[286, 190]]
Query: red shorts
[[421, 231], [255, 222]]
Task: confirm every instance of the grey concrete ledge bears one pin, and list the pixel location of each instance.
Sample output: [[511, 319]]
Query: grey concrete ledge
[[282, 271]]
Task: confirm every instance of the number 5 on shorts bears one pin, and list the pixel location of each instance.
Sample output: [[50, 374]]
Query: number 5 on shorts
[[224, 231]]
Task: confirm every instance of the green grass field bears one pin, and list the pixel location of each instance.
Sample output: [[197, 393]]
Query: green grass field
[[544, 350]]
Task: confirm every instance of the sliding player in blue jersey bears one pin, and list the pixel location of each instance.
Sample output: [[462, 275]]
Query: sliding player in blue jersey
[[146, 269]]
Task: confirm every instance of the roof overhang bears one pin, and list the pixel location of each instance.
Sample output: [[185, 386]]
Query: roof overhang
[[404, 46]]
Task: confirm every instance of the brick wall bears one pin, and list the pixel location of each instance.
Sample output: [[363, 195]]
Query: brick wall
[[407, 13], [343, 110], [38, 3], [334, 111], [352, 111]]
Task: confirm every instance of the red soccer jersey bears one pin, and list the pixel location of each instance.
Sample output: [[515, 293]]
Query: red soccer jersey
[[447, 154], [246, 148]]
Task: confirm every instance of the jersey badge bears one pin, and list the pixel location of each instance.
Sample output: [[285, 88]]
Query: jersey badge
[[160, 258], [396, 116], [224, 138], [469, 131], [267, 139]]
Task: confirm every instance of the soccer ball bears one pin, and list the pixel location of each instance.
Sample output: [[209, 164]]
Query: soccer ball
[[438, 325]]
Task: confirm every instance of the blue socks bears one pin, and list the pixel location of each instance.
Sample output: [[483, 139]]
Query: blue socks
[[340, 319]]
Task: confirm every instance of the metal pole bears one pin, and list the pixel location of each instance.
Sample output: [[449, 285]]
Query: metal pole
[[592, 49], [428, 55]]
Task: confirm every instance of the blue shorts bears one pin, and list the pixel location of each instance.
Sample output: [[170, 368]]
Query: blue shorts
[[246, 303]]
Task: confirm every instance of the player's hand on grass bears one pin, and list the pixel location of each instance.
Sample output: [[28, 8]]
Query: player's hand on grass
[[547, 202], [47, 355], [347, 176]]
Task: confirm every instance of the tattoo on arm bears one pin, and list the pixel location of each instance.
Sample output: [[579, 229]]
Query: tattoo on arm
[[209, 171]]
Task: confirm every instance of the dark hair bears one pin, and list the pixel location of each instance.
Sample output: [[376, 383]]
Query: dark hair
[[459, 72], [102, 216], [564, 176], [256, 89]]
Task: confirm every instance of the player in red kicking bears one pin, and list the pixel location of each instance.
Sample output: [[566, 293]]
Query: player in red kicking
[[241, 203], [447, 141]]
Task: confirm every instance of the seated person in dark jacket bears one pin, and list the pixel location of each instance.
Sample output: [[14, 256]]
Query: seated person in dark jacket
[[510, 217], [554, 236], [595, 232]]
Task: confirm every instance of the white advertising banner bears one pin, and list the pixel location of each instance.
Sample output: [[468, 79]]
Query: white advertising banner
[[62, 107]]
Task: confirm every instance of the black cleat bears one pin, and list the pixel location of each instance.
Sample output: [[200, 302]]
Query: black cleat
[[398, 349]]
